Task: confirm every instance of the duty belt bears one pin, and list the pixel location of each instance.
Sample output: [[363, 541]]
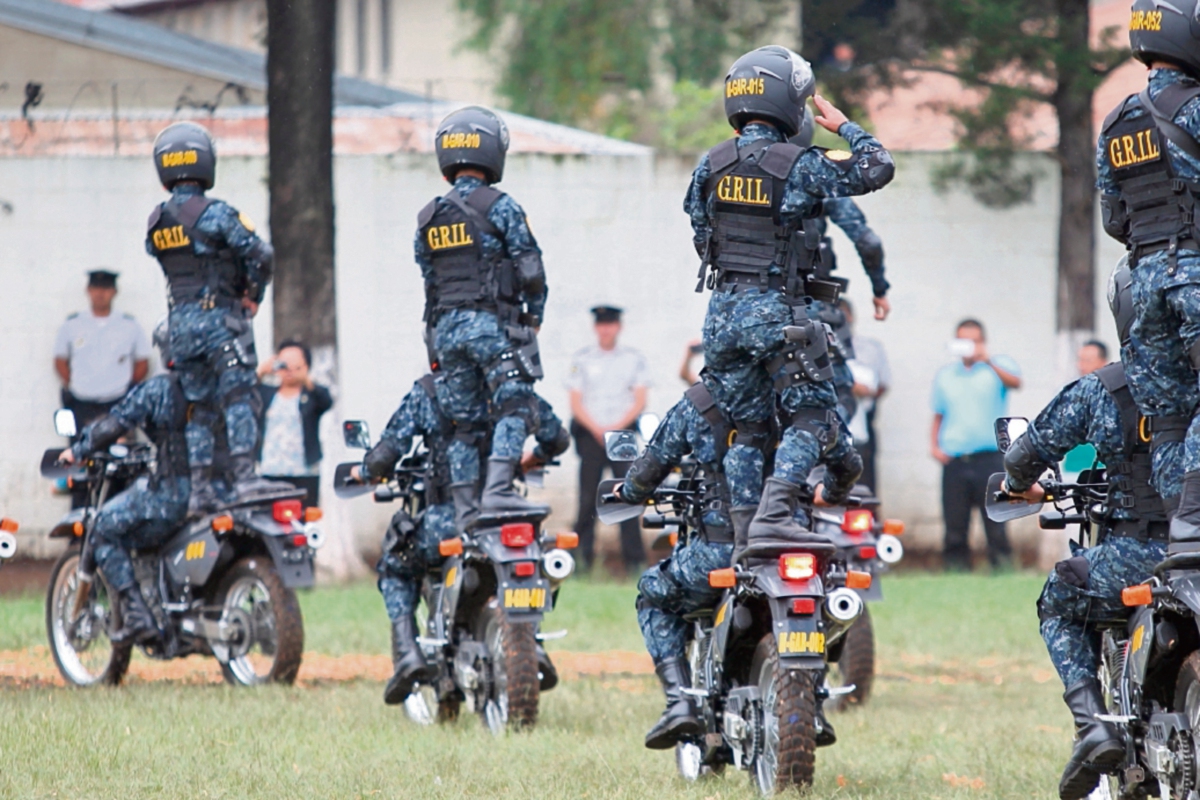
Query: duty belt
[[823, 290], [1132, 529], [1138, 251], [1164, 430]]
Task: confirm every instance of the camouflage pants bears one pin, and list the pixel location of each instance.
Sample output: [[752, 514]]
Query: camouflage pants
[[197, 336], [1161, 378], [1069, 613], [138, 517], [408, 553], [467, 343], [673, 587], [742, 332]]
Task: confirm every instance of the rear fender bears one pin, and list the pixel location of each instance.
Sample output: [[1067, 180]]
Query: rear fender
[[294, 564], [522, 599], [800, 638]]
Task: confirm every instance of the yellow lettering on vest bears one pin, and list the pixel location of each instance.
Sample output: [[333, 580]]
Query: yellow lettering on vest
[[743, 191], [170, 238], [1128, 151], [444, 237], [460, 141]]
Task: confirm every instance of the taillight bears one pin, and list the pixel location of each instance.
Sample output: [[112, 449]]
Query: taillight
[[524, 569], [516, 534], [285, 511], [300, 540], [804, 605], [797, 566], [867, 553], [858, 521]]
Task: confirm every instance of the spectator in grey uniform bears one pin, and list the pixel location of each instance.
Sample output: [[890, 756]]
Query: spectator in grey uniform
[[608, 386]]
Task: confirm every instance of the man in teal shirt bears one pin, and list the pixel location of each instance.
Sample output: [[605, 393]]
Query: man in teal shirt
[[1091, 357], [968, 396]]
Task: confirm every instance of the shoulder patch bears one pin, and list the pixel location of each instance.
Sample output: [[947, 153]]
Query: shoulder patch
[[246, 223], [838, 155]]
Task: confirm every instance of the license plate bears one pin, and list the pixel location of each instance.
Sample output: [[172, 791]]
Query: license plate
[[800, 643], [525, 598]]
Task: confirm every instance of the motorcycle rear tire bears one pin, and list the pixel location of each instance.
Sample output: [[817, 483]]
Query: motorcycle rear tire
[[108, 672], [517, 658], [259, 572], [789, 728], [856, 666]]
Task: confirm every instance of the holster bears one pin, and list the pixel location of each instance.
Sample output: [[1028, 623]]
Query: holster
[[805, 355], [241, 350], [522, 361]]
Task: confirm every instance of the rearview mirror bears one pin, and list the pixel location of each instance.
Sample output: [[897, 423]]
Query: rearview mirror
[[647, 424], [64, 423], [356, 434], [1008, 430], [621, 445]]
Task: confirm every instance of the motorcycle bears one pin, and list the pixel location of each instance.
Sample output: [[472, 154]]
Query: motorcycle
[[756, 657], [866, 544], [223, 585], [1150, 661], [482, 608]]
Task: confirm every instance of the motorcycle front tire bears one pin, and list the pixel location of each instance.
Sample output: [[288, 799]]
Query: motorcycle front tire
[[96, 662]]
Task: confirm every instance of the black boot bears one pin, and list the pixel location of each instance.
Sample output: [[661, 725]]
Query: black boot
[[1185, 524], [203, 499], [679, 719], [500, 499], [137, 623], [248, 486], [776, 512], [411, 668], [548, 675], [1098, 747], [466, 505], [741, 517]]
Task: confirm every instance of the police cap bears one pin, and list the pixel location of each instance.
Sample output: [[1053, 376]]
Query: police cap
[[607, 313], [472, 137], [102, 279], [184, 151], [772, 84]]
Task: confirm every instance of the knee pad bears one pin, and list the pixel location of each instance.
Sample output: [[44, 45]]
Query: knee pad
[[841, 475], [821, 423], [401, 533]]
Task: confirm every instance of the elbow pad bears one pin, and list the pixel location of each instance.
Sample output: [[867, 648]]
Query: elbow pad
[[870, 250], [103, 433], [646, 474], [380, 460], [1114, 218], [877, 168], [841, 475], [555, 447], [531, 273], [1023, 464]]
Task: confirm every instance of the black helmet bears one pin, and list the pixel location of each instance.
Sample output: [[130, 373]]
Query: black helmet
[[771, 83], [1120, 298], [1162, 31], [185, 152], [805, 137], [472, 137]]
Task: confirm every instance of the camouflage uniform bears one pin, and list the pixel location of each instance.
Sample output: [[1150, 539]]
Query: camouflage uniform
[[150, 511], [1084, 412], [1166, 297], [198, 330], [743, 330], [678, 584], [468, 341]]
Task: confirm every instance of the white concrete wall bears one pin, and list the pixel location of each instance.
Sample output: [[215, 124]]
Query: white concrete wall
[[612, 230]]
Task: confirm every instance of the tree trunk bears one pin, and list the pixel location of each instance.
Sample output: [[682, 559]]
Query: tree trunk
[[300, 70]]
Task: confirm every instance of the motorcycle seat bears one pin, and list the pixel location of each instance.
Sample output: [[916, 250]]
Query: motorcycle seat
[[774, 548]]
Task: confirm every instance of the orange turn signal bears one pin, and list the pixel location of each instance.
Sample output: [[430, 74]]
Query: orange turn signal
[[222, 524], [894, 526], [567, 540], [313, 514], [722, 578], [8, 524], [858, 580], [450, 547], [77, 529], [673, 538], [1137, 595]]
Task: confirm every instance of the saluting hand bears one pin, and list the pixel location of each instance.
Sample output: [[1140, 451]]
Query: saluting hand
[[828, 116]]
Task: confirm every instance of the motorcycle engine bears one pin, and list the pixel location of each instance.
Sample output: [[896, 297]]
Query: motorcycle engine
[[145, 570]]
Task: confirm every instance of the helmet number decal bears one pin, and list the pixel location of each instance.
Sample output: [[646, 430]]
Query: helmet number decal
[[737, 87], [180, 158], [1145, 20], [460, 141]]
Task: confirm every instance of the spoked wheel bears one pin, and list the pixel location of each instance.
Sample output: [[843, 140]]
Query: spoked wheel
[[788, 741], [512, 652], [1187, 702], [79, 642], [266, 631], [856, 667]]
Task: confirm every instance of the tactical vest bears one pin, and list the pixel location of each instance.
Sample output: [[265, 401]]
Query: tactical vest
[[746, 188], [437, 477], [170, 437], [191, 278], [463, 276], [1160, 206], [1130, 472]]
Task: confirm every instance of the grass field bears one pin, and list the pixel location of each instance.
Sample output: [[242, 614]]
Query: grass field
[[966, 706]]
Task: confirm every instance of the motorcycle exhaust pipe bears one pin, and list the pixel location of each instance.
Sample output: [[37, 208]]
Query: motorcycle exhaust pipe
[[844, 605], [889, 549], [8, 545], [558, 566], [316, 538]]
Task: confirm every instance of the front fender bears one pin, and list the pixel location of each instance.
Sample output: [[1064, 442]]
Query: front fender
[[65, 529]]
